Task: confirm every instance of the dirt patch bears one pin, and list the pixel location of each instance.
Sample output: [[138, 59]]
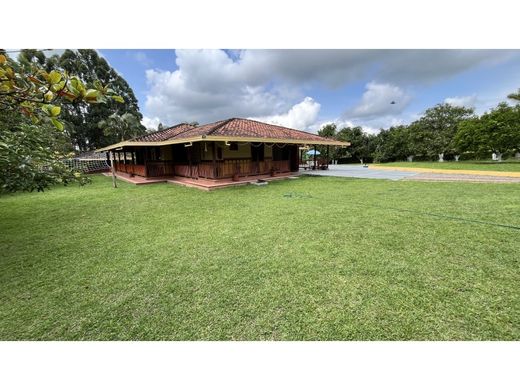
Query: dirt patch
[[461, 177]]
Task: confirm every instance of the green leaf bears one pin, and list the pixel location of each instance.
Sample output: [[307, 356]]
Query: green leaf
[[118, 98], [57, 124], [46, 108], [48, 96], [92, 94], [55, 110], [54, 77]]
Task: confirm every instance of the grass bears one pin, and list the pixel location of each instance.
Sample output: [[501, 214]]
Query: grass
[[307, 259], [504, 166]]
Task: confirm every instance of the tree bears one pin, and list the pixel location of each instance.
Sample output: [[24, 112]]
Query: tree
[[328, 131], [31, 155], [438, 126], [362, 145], [514, 95], [32, 141], [82, 120], [398, 143], [497, 131], [123, 127], [41, 95]]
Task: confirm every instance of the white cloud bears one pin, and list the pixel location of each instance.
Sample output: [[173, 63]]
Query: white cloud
[[462, 101], [209, 85], [150, 123], [301, 116], [380, 100]]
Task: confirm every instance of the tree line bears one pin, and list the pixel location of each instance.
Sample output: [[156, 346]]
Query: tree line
[[443, 132]]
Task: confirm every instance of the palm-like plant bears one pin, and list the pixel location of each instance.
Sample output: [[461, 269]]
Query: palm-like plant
[[514, 95], [122, 126]]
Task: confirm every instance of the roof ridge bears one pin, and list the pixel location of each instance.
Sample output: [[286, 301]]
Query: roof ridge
[[188, 128], [283, 127], [159, 131], [220, 125]]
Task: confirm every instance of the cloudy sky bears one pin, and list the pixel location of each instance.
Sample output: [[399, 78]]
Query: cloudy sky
[[308, 88]]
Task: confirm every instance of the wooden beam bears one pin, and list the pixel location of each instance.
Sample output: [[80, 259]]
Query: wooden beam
[[113, 170]]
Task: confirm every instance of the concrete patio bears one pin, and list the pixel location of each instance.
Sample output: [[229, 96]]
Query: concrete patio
[[350, 170]]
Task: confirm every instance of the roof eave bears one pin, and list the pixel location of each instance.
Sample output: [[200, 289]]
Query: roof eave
[[224, 139]]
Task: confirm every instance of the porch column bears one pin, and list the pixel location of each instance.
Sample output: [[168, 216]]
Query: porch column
[[189, 161], [114, 184], [214, 151], [145, 160], [315, 167], [327, 156]]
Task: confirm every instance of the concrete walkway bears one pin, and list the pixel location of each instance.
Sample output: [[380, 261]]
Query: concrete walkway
[[358, 171]]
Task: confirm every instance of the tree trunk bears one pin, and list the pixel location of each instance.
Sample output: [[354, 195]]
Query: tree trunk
[[457, 156], [441, 157], [409, 158]]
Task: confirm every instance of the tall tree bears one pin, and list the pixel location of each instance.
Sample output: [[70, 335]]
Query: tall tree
[[362, 145], [496, 131], [328, 131], [82, 120], [439, 125], [514, 95], [32, 142], [40, 95], [123, 127], [398, 143]]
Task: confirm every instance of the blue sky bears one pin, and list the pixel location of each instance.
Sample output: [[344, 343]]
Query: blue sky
[[308, 88]]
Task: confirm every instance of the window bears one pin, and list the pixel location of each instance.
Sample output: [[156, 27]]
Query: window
[[219, 153], [233, 146]]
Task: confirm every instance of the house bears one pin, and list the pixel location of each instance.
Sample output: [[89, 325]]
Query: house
[[228, 149]]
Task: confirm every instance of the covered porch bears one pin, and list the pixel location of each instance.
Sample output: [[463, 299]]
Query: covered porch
[[207, 160]]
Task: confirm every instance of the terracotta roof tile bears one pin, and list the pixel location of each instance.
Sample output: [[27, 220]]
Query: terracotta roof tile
[[165, 134], [247, 128], [234, 128]]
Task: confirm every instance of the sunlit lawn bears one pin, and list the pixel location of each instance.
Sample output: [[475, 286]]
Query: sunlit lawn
[[307, 259]]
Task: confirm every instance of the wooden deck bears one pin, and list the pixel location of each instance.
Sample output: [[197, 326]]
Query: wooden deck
[[203, 184], [139, 180], [209, 184]]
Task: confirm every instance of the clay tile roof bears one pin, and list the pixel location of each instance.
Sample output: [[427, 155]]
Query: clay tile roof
[[165, 134], [231, 129], [247, 128], [250, 128]]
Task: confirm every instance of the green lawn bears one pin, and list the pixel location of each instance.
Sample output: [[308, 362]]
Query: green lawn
[[307, 259], [504, 166]]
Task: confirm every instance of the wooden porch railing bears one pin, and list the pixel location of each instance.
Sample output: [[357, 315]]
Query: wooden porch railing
[[223, 169], [132, 169], [227, 168], [160, 168]]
